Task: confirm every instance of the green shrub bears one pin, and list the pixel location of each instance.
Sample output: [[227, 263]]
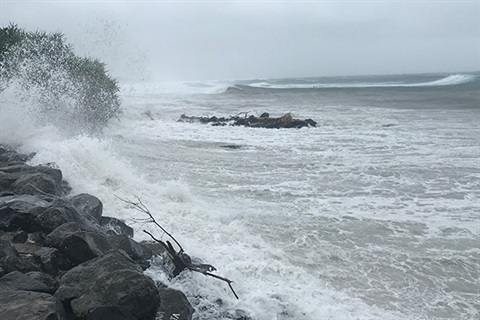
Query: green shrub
[[66, 89]]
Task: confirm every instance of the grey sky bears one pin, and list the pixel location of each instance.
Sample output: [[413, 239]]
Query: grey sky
[[188, 40]]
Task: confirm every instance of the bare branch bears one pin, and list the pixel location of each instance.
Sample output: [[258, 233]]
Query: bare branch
[[142, 208], [180, 259]]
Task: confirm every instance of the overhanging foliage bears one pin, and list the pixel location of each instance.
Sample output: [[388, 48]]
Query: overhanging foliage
[[66, 88]]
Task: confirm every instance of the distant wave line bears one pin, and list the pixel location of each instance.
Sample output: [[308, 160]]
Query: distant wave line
[[454, 79]]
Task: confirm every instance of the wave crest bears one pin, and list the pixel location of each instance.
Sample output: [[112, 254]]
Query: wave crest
[[454, 79]]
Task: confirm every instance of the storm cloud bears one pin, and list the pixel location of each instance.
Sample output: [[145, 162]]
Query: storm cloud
[[162, 40]]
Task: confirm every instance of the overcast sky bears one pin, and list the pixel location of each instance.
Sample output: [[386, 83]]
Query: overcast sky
[[193, 40]]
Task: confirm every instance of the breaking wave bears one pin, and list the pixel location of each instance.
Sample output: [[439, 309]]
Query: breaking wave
[[451, 80]]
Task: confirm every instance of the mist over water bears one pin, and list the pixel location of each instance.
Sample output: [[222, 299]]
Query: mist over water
[[374, 214]]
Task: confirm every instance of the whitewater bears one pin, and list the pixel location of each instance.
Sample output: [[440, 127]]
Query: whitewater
[[373, 214]]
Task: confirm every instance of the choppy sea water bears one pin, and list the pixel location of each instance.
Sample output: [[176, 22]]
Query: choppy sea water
[[373, 214]]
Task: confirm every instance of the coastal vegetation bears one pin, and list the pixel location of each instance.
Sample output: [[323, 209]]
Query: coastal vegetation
[[62, 88]]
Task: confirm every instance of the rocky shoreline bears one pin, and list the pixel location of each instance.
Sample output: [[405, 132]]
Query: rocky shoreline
[[61, 259], [263, 121]]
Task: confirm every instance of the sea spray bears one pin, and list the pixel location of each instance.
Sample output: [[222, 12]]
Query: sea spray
[[373, 215]]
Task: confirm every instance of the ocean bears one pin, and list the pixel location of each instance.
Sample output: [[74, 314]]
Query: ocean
[[373, 214]]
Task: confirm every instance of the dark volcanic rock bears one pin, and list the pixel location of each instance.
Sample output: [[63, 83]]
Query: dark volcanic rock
[[18, 212], [44, 278], [61, 212], [54, 238], [78, 245], [112, 280], [27, 305], [88, 205], [10, 260], [109, 313], [115, 226], [20, 237], [174, 305], [154, 248], [36, 183], [52, 260], [37, 180], [136, 251], [8, 156], [83, 246], [16, 280]]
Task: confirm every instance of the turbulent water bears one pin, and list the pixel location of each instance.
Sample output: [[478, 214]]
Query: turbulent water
[[373, 214]]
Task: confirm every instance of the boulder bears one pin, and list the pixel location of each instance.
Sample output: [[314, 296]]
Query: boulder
[[109, 313], [8, 156], [76, 244], [36, 183], [18, 212], [52, 261], [61, 212], [174, 305], [28, 305], [22, 169], [54, 238], [83, 246], [44, 278], [16, 280], [6, 181], [88, 205], [10, 260], [20, 237], [113, 281], [136, 251], [115, 226], [154, 248]]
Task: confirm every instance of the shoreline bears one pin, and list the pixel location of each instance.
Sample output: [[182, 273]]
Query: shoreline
[[61, 259]]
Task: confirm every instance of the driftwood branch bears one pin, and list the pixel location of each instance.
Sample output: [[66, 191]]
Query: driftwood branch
[[181, 260], [139, 206]]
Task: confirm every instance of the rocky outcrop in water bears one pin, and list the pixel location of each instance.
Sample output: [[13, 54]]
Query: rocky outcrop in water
[[263, 121], [61, 259]]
